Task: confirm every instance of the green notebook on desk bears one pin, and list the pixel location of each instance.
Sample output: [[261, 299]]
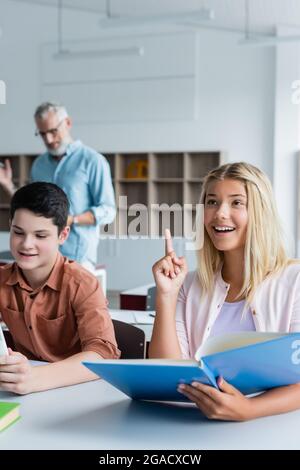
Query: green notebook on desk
[[9, 413]]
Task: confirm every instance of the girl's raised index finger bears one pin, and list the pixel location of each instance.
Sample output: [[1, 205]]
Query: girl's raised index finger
[[169, 243]]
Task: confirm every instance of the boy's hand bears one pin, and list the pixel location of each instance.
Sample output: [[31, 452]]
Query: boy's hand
[[169, 272], [16, 373]]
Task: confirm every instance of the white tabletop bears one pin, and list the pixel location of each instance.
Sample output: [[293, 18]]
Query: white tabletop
[[141, 290], [140, 318], [97, 416]]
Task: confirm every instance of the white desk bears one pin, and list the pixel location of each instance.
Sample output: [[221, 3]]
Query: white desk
[[97, 416], [140, 318]]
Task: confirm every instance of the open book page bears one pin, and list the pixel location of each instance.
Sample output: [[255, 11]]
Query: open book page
[[236, 340], [252, 362], [3, 347], [157, 362]]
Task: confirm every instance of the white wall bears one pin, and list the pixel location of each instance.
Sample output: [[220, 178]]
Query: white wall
[[235, 92], [235, 102], [287, 138], [24, 28], [235, 99]]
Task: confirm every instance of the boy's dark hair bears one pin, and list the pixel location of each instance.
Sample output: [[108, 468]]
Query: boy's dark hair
[[43, 199]]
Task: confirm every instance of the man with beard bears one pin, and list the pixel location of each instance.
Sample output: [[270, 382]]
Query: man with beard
[[81, 172]]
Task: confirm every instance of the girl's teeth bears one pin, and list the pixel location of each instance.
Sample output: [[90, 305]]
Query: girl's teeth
[[224, 229]]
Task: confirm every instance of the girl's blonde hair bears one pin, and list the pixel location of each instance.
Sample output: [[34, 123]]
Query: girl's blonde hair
[[264, 249]]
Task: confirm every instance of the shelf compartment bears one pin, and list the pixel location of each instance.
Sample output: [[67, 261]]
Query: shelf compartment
[[4, 198], [198, 164], [167, 193], [167, 165], [132, 166], [193, 191], [162, 219], [4, 216], [137, 193]]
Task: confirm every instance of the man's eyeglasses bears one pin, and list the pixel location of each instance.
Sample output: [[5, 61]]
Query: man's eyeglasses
[[52, 132]]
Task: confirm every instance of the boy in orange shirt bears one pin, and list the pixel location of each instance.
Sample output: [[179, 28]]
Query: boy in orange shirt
[[54, 308]]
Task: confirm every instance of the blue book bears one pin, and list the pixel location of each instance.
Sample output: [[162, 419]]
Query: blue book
[[252, 362]]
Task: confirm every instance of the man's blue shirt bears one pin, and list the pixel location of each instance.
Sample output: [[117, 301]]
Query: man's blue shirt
[[85, 177]]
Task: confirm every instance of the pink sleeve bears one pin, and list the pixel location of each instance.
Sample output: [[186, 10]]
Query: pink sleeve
[[181, 323], [295, 318]]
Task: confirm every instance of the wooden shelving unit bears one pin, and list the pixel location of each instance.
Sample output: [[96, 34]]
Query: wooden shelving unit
[[153, 179], [171, 178]]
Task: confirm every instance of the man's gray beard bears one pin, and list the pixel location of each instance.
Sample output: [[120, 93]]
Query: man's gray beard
[[60, 150]]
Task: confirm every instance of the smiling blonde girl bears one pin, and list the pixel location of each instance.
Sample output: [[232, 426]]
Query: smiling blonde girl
[[244, 282]]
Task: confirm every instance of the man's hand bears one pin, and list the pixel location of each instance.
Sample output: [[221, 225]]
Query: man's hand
[[6, 177], [70, 220]]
